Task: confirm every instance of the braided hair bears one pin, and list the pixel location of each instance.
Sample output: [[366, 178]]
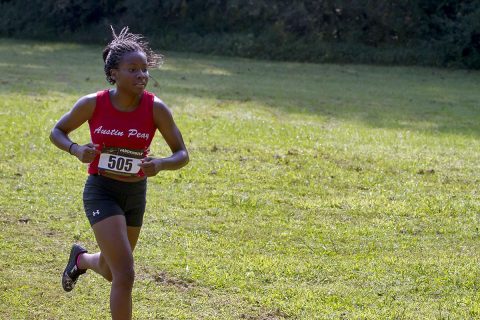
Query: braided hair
[[123, 43]]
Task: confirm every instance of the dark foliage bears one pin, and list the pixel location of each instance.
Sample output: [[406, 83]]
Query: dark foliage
[[426, 32]]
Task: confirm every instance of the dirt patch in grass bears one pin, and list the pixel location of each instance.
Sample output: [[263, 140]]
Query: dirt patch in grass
[[168, 280]]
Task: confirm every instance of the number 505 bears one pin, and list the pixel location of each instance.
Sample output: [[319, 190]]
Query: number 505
[[119, 163]]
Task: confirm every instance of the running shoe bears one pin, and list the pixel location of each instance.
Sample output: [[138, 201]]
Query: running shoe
[[72, 272]]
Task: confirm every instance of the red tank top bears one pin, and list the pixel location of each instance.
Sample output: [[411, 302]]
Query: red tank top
[[110, 127]]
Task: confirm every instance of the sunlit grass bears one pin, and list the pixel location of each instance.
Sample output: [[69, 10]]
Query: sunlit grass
[[313, 192]]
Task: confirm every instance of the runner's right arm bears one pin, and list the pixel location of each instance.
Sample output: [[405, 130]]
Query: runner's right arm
[[78, 115]]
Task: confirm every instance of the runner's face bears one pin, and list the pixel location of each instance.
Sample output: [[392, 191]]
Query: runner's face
[[132, 73]]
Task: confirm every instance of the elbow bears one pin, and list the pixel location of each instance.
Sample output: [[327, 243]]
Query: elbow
[[51, 136], [55, 133], [186, 158]]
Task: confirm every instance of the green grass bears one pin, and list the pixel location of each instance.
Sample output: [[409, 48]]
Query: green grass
[[313, 191]]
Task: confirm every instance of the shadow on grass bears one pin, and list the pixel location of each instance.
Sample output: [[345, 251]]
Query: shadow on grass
[[409, 98]]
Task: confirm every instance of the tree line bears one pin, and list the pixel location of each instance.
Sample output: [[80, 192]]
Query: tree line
[[421, 32]]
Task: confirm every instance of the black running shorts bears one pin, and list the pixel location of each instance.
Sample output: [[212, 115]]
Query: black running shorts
[[104, 197]]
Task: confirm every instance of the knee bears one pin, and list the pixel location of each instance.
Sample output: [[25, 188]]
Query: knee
[[124, 276]]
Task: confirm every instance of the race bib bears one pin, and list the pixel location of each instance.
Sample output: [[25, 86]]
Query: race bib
[[120, 161]]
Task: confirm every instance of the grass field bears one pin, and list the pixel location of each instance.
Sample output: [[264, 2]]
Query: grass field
[[313, 191]]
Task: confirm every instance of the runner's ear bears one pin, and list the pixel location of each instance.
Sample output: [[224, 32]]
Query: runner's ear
[[113, 73]]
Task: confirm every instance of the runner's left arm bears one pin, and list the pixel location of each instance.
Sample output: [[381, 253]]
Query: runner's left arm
[[166, 125]]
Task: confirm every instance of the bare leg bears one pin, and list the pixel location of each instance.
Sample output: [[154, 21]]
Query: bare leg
[[116, 251], [96, 261]]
